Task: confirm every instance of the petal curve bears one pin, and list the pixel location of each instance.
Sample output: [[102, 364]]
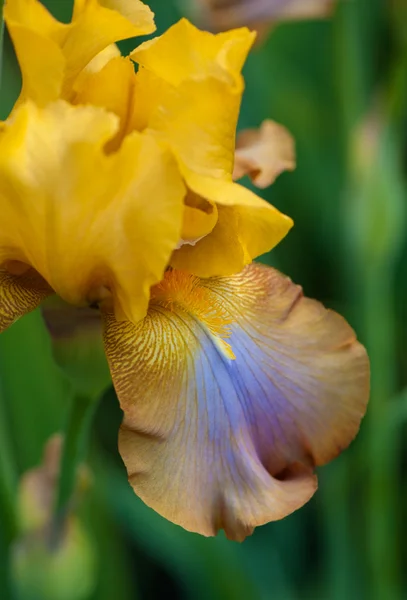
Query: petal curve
[[211, 441], [184, 52]]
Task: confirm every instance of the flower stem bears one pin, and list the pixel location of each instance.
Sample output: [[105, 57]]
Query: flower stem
[[8, 482], [75, 445], [378, 308], [381, 509]]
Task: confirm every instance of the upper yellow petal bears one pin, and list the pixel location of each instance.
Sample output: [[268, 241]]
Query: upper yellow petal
[[112, 87], [250, 227], [185, 52], [33, 15], [135, 11], [100, 61], [62, 51], [43, 70], [98, 23], [197, 120], [190, 93], [187, 94], [149, 95], [200, 217], [219, 253], [87, 221], [38, 39]]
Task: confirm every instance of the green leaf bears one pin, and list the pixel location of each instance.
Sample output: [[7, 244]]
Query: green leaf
[[10, 84], [35, 391]]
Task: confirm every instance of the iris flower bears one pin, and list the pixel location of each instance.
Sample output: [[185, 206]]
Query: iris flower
[[260, 14], [116, 191]]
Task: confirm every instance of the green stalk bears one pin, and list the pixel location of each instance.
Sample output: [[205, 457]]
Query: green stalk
[[398, 416], [349, 60], [8, 483], [350, 79], [382, 526], [335, 511], [380, 327], [74, 450], [370, 277]]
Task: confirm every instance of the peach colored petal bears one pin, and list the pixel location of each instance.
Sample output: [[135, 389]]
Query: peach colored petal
[[264, 153], [233, 389]]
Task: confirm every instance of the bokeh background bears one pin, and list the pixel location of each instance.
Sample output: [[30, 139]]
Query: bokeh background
[[339, 85]]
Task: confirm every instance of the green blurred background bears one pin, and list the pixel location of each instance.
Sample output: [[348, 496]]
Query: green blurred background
[[339, 86]]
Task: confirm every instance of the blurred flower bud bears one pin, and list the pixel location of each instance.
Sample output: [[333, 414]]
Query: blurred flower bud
[[49, 564], [377, 207], [226, 14], [65, 571], [365, 142], [37, 489], [264, 153], [76, 334]]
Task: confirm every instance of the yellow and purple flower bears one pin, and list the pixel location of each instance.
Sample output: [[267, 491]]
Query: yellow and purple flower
[[117, 190]]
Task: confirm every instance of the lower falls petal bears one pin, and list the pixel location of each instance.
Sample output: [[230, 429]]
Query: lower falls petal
[[233, 390]]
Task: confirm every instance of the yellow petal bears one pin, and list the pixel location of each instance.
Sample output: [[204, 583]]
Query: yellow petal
[[264, 153], [38, 39], [232, 391], [196, 116], [98, 23], [43, 70], [88, 222], [97, 63], [198, 121], [191, 90], [62, 51], [135, 11], [112, 87], [150, 90], [185, 52], [255, 228], [20, 294], [200, 217], [220, 252], [33, 15]]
